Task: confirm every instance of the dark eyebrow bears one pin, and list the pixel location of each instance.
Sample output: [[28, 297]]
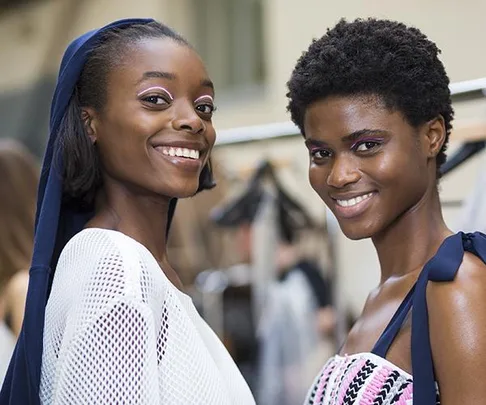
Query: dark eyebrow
[[362, 132], [312, 142], [207, 83], [353, 136], [156, 74]]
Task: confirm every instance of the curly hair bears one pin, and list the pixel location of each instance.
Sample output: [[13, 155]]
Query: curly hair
[[382, 58]]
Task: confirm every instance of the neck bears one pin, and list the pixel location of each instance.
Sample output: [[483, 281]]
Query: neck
[[142, 217], [408, 243]]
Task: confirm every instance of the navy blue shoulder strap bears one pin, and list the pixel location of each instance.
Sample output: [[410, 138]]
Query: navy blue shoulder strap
[[442, 267], [388, 336]]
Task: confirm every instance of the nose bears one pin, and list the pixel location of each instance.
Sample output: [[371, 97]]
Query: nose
[[344, 171], [187, 119]]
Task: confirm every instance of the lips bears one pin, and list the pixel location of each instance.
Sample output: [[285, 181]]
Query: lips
[[185, 157], [179, 152], [350, 206], [350, 202]]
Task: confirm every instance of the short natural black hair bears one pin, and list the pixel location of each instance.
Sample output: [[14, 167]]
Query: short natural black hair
[[81, 166], [372, 57]]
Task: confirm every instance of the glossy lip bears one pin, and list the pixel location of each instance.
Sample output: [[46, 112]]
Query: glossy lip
[[201, 147], [355, 210], [182, 162]]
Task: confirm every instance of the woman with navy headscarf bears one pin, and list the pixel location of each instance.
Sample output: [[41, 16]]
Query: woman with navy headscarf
[[106, 317]]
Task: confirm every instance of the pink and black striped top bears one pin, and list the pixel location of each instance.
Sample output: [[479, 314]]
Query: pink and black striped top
[[361, 379]]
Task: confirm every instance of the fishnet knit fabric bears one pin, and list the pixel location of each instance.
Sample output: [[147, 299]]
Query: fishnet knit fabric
[[118, 332]]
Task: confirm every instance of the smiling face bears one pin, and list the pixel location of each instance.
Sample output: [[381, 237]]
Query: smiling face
[[154, 134], [369, 165]]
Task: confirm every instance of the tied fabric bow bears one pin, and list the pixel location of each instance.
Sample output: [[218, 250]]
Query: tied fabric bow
[[442, 267]]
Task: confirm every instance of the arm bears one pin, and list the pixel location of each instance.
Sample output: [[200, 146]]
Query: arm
[[457, 321], [110, 358], [100, 332]]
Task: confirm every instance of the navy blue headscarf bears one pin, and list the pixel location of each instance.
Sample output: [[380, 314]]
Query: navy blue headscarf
[[55, 225]]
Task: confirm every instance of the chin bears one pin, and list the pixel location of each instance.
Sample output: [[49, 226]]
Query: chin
[[356, 236], [356, 232], [186, 191]]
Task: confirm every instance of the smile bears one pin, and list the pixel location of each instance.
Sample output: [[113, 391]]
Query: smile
[[353, 201], [180, 152], [352, 207]]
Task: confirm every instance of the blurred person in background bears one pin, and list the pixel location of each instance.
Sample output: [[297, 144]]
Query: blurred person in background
[[18, 193], [372, 99], [297, 321], [297, 318], [18, 190], [131, 132]]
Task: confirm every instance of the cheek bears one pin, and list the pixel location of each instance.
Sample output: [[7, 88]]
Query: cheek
[[404, 178], [210, 138], [317, 178], [123, 148], [399, 166]]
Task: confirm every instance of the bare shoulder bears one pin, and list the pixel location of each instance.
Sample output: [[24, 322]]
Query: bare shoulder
[[457, 319], [467, 288]]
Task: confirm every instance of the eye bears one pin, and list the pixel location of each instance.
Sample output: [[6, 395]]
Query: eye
[[366, 146], [156, 100], [320, 154], [206, 108]]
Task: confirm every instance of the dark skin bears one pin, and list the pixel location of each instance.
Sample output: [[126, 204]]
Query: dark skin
[[385, 171], [158, 97]]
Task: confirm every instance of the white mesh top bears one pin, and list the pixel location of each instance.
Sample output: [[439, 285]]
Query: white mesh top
[[118, 332]]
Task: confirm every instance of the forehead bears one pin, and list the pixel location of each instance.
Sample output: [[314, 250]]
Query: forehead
[[159, 54], [347, 114]]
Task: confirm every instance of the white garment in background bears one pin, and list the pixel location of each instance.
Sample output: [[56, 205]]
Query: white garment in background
[[7, 345], [290, 346], [118, 332], [473, 214]]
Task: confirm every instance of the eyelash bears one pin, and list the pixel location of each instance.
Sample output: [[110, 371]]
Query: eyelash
[[315, 152], [154, 98], [371, 144], [149, 98], [212, 108], [374, 143]]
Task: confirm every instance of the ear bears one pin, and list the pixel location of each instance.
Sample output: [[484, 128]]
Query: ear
[[435, 135], [88, 116]]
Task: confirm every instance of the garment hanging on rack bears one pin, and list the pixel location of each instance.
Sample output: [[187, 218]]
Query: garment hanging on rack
[[288, 334], [464, 153], [291, 215], [473, 213], [7, 344], [290, 343]]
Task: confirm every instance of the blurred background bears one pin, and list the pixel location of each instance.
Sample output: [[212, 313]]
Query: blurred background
[[263, 259]]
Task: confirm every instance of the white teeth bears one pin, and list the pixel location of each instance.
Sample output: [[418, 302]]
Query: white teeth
[[353, 201], [181, 152]]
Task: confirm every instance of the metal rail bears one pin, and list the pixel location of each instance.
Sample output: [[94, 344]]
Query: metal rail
[[287, 128]]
